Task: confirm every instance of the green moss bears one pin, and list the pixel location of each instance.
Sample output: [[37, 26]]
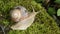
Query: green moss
[[43, 24]]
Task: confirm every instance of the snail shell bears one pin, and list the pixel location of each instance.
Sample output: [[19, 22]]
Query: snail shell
[[26, 21], [18, 13]]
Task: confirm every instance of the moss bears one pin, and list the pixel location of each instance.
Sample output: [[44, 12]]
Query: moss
[[43, 24]]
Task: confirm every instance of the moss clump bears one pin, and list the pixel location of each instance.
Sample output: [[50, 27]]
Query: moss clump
[[43, 24]]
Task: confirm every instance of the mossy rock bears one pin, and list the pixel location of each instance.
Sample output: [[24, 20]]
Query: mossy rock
[[43, 24]]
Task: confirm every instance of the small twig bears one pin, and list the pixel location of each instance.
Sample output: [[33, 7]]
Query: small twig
[[2, 29]]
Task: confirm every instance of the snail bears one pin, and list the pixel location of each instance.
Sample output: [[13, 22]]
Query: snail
[[23, 18]]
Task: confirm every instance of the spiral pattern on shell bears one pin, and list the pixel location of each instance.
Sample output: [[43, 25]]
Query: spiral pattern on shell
[[18, 13]]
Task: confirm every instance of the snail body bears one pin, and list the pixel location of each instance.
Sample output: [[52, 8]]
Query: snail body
[[25, 19]]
